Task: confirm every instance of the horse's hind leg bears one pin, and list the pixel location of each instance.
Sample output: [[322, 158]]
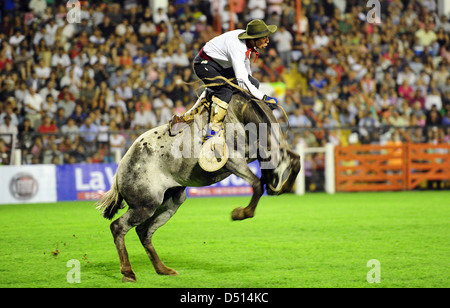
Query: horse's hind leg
[[119, 228], [173, 199]]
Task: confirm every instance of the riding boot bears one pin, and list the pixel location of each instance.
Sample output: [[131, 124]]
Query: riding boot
[[218, 113], [178, 123], [188, 115]]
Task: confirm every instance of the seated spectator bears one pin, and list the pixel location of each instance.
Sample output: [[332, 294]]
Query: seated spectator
[[299, 119], [433, 99], [10, 130], [9, 111], [124, 91], [144, 118], [71, 130], [117, 102], [47, 126], [4, 153], [67, 104], [88, 136], [78, 115], [52, 152], [49, 107], [116, 140]]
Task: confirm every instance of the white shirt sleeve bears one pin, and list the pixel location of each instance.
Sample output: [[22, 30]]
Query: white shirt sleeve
[[241, 67]]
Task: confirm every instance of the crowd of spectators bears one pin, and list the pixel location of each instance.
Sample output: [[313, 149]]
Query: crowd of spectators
[[123, 67]]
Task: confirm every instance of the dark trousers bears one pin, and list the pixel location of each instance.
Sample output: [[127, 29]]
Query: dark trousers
[[205, 69]]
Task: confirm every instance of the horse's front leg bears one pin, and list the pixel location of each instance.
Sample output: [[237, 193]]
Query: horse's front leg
[[244, 172], [241, 213]]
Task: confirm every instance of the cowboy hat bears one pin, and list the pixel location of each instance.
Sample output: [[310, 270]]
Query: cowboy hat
[[257, 29]]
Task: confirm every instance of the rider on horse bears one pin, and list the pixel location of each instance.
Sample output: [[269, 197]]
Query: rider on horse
[[228, 56]]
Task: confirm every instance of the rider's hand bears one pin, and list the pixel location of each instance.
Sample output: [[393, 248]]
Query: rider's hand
[[271, 101]]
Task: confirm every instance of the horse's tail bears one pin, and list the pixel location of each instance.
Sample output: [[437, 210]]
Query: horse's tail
[[111, 201]]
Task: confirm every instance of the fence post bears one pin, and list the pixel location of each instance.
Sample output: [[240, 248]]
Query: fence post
[[330, 178], [300, 181]]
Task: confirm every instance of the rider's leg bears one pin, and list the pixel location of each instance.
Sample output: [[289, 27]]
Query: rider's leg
[[189, 115]]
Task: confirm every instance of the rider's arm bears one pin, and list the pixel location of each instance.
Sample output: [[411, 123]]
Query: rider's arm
[[242, 70]]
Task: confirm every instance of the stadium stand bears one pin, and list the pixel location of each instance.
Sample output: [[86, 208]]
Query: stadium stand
[[74, 92]]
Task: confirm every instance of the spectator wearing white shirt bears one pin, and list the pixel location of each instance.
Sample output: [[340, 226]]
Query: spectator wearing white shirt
[[33, 106], [125, 92], [49, 107], [225, 18], [321, 39], [180, 59], [257, 9], [38, 6], [433, 98], [144, 118], [283, 40], [159, 16], [17, 38], [49, 89], [42, 71], [61, 58], [299, 119], [116, 101], [147, 29], [71, 130], [10, 113], [8, 128], [407, 74]]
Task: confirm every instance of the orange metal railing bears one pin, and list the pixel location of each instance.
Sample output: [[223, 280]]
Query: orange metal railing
[[390, 167]]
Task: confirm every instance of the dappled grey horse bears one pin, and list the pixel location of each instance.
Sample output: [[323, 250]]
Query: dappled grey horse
[[155, 171]]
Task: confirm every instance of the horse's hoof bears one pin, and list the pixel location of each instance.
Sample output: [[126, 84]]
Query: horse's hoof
[[238, 214], [129, 279], [168, 271]]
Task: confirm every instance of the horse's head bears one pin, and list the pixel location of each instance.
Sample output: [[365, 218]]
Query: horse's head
[[279, 165], [282, 178]]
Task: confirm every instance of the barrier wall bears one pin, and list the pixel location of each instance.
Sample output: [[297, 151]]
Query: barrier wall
[[390, 167], [51, 183]]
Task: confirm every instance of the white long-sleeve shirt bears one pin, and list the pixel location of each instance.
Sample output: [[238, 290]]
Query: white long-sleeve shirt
[[229, 51]]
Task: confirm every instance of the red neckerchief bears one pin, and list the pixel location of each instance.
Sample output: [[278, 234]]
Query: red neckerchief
[[249, 50]]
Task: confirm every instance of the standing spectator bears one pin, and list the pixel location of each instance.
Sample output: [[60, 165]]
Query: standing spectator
[[256, 9], [284, 40], [33, 107]]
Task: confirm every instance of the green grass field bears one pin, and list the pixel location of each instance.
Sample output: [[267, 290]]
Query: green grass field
[[316, 240]]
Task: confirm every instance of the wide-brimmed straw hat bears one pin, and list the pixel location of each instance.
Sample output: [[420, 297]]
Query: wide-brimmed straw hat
[[257, 29]]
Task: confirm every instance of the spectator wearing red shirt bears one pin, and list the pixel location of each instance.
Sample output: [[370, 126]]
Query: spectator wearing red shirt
[[47, 126]]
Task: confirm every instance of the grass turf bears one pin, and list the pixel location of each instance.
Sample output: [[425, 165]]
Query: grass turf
[[316, 240]]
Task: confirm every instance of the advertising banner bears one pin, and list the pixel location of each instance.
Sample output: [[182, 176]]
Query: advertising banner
[[84, 181], [27, 184]]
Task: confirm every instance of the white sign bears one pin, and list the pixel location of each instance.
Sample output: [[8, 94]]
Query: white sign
[[27, 184]]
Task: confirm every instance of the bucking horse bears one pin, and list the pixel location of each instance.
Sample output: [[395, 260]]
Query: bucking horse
[[153, 174]]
